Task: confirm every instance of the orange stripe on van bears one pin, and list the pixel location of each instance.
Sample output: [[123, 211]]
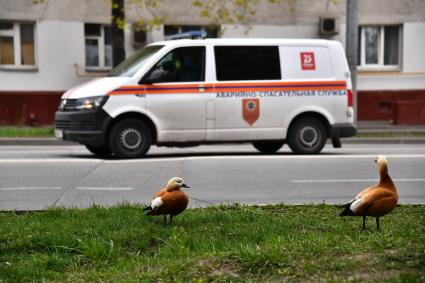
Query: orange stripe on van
[[228, 87]]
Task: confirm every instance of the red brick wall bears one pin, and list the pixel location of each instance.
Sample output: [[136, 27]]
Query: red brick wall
[[38, 108], [379, 105], [409, 112], [28, 108]]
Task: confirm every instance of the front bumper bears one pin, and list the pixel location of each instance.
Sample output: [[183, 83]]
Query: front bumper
[[85, 127]]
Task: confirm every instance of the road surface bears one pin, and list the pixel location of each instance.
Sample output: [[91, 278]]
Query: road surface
[[38, 177]]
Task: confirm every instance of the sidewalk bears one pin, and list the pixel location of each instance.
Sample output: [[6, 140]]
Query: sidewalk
[[363, 127], [386, 129]]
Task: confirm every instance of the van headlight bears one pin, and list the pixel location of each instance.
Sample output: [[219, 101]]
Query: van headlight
[[90, 103]]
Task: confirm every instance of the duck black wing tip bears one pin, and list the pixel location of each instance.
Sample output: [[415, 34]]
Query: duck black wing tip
[[347, 211]]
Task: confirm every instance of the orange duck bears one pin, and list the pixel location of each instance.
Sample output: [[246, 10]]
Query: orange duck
[[375, 201], [169, 200]]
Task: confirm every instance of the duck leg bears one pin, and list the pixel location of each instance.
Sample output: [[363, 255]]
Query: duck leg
[[377, 223], [165, 219], [364, 222]]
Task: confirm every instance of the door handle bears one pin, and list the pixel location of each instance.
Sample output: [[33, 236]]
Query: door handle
[[201, 88]]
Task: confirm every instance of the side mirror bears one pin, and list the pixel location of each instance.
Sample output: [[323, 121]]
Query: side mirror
[[154, 76]]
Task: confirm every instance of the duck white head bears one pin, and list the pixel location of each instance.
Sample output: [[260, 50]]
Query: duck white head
[[381, 160], [176, 183]]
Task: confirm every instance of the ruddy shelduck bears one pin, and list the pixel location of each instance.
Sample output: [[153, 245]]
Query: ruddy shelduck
[[375, 201], [170, 200]]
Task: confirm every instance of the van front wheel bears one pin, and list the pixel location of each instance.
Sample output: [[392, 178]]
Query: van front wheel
[[268, 147], [130, 138], [99, 151], [307, 136]]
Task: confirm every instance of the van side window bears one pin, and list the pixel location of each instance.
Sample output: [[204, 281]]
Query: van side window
[[184, 64], [247, 63]]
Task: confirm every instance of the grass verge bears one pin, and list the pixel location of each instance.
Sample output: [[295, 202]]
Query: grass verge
[[224, 243], [26, 132], [391, 135]]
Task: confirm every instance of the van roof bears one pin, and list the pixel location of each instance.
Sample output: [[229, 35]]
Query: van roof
[[246, 41]]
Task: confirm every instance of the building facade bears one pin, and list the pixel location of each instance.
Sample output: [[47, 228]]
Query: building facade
[[49, 46]]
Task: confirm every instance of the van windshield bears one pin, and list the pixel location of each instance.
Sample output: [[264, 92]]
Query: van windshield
[[132, 64]]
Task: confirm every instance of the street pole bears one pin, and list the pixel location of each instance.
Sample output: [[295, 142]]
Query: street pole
[[351, 46]]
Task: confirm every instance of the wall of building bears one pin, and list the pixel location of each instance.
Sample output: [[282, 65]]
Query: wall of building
[[59, 45], [412, 72], [60, 41]]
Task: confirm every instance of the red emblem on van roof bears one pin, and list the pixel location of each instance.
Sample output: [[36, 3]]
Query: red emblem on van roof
[[251, 110]]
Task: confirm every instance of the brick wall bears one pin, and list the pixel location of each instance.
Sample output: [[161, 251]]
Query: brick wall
[[380, 105], [38, 108], [409, 112], [28, 108]]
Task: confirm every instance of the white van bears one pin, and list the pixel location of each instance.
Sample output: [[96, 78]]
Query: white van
[[189, 92]]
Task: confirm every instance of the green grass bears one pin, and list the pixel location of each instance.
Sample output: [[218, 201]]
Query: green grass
[[21, 132], [225, 244]]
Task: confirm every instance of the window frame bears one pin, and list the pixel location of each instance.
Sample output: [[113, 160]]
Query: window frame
[[362, 66], [146, 80], [101, 49], [15, 33]]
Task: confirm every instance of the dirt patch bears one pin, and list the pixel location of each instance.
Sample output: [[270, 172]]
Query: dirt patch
[[367, 256], [369, 275], [219, 269]]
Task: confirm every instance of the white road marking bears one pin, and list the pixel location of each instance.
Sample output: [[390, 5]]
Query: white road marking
[[49, 160], [149, 159], [30, 188], [104, 188], [234, 157], [380, 149], [352, 180], [319, 156]]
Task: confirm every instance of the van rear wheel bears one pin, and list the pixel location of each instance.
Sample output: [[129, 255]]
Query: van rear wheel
[[307, 136], [130, 138], [268, 147]]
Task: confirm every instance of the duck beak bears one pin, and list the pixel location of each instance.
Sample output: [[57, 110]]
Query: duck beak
[[185, 186]]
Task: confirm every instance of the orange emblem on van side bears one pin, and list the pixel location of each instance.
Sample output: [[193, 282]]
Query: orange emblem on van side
[[251, 110]]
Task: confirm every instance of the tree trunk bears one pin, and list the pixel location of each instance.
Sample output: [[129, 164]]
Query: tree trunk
[[118, 18]]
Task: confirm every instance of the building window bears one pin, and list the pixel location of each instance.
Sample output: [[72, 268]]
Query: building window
[[379, 46], [17, 44], [170, 30], [98, 45]]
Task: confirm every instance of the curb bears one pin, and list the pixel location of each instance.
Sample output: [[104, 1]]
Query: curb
[[34, 141], [388, 140], [54, 141]]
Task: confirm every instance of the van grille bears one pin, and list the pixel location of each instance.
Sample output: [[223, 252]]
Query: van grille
[[74, 125]]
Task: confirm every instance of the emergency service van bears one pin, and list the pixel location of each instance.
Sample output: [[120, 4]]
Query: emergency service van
[[189, 92]]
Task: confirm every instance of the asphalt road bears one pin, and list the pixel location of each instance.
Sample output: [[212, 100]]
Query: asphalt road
[[38, 177]]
